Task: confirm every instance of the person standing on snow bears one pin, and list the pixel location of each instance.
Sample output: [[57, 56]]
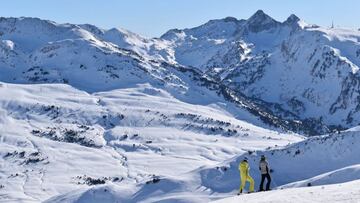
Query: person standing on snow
[[265, 173], [245, 176]]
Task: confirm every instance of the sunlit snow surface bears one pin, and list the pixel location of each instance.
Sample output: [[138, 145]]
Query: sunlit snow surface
[[95, 115], [129, 136]]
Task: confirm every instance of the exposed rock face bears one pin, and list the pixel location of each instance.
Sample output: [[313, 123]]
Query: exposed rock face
[[260, 22], [304, 70], [292, 70]]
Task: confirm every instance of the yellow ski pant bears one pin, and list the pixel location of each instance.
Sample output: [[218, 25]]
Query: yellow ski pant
[[248, 178]]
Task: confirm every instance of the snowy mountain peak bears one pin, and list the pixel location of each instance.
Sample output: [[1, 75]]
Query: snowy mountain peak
[[121, 31], [259, 13], [259, 16], [292, 19], [29, 20], [92, 29], [261, 21], [230, 19], [200, 99], [173, 34], [295, 22]]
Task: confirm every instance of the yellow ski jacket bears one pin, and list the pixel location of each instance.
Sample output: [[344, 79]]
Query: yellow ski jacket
[[245, 176], [244, 168]]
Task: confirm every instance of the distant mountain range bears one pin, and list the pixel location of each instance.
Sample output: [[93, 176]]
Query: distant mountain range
[[290, 74]]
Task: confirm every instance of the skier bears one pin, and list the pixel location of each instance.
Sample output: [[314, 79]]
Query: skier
[[245, 176], [264, 170]]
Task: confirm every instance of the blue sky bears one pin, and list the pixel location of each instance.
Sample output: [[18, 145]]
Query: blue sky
[[154, 17]]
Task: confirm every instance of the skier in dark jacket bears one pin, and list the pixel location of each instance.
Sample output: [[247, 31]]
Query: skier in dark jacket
[[265, 173]]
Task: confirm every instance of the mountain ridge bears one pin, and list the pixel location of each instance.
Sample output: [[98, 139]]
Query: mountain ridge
[[90, 114], [238, 54]]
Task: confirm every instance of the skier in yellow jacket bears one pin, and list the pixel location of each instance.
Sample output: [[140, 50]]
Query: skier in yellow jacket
[[245, 176]]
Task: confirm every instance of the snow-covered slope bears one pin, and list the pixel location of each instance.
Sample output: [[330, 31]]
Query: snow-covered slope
[[347, 193], [265, 61], [298, 71], [110, 59], [304, 160], [318, 161], [56, 139], [88, 114], [40, 51], [315, 161], [341, 175]]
